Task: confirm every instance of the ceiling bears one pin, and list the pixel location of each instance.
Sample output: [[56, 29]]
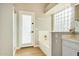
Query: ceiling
[[34, 7]]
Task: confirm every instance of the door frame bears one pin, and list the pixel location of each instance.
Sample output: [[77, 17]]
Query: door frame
[[20, 28]]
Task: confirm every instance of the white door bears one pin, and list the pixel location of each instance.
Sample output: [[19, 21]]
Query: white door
[[25, 29]]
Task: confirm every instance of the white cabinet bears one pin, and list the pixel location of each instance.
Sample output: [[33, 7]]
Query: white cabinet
[[44, 41], [69, 48], [67, 51]]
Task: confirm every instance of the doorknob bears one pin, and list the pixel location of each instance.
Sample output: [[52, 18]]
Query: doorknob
[[32, 31], [32, 23]]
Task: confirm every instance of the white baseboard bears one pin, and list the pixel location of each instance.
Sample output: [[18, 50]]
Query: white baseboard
[[14, 51], [36, 45], [18, 48]]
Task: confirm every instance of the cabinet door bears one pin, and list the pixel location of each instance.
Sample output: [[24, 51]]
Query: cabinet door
[[56, 44], [67, 51]]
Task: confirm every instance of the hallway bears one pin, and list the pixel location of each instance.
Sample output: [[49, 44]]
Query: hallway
[[29, 51]]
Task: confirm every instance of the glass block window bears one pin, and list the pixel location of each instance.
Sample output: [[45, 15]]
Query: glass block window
[[63, 19]]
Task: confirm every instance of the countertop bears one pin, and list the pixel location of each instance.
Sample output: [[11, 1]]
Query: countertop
[[71, 37]]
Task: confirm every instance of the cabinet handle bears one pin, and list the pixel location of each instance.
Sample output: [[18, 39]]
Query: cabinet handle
[[45, 36], [77, 53]]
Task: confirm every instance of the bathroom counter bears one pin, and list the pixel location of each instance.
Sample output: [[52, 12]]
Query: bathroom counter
[[70, 45], [73, 37]]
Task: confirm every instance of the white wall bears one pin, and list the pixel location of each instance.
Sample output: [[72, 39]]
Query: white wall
[[77, 18], [44, 23], [6, 29], [14, 32], [76, 26], [44, 28]]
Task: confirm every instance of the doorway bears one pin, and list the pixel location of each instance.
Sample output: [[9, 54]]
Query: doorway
[[26, 29]]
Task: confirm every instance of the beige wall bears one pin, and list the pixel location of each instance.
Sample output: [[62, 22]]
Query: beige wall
[[6, 29]]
